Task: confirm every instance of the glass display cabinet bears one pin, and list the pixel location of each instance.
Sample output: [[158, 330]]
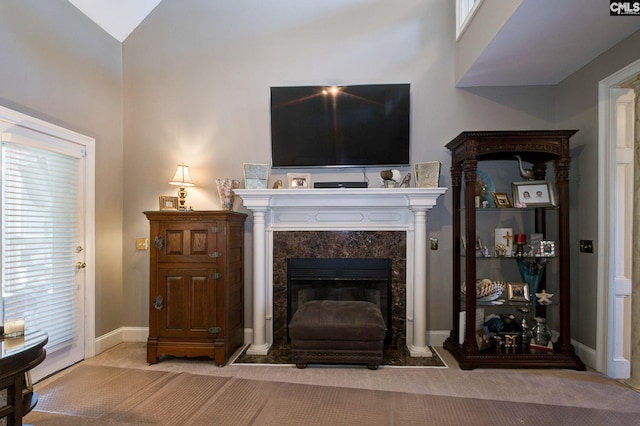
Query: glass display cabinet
[[511, 277]]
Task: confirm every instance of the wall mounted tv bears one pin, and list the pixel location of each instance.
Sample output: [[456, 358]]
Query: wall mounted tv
[[340, 126]]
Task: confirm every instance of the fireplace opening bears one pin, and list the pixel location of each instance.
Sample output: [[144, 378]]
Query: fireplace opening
[[340, 279]]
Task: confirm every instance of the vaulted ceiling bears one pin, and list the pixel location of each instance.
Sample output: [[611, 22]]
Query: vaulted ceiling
[[543, 42]]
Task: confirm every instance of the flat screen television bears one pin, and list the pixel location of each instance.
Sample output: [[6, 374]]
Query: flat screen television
[[340, 126]]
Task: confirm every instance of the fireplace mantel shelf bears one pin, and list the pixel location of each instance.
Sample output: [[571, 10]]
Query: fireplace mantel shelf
[[343, 197], [343, 209]]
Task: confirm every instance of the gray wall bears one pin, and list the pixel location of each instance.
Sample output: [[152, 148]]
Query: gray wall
[[58, 66], [577, 108], [197, 77]]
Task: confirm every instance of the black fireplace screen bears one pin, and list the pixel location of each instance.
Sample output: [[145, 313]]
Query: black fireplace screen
[[340, 279]]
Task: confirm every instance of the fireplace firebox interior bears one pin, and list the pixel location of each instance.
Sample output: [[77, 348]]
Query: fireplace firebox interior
[[340, 279]]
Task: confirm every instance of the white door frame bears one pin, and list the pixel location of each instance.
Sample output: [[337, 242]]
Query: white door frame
[[10, 118], [613, 288]]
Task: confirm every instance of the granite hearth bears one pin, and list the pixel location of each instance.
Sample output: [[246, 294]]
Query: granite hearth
[[343, 245]]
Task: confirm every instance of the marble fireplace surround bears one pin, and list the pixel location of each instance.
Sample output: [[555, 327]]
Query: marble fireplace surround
[[344, 209]]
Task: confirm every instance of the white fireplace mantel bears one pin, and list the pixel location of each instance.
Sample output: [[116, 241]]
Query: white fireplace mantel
[[344, 209]]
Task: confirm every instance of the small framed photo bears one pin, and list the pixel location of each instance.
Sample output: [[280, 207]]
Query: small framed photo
[[426, 175], [546, 249], [533, 193], [256, 176], [168, 203], [501, 199], [299, 180], [518, 292]]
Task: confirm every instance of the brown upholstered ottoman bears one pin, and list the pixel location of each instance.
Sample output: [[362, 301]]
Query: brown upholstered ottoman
[[338, 332]]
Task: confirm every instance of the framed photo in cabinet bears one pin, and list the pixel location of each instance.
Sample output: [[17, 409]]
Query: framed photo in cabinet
[[501, 199], [533, 193], [518, 292]]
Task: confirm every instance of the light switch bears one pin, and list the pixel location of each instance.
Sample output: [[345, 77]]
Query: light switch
[[142, 244]]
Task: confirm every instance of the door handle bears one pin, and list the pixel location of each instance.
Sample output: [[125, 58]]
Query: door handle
[[158, 302], [81, 265]]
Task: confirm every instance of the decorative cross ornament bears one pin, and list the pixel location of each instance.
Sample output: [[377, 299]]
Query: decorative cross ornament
[[508, 237]]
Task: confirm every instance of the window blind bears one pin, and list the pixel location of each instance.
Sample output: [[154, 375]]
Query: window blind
[[39, 240]]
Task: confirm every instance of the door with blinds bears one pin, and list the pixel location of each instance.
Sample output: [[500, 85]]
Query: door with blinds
[[43, 242]]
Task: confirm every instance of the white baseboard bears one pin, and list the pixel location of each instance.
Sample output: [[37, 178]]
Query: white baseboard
[[587, 355], [140, 334], [437, 337], [122, 334]]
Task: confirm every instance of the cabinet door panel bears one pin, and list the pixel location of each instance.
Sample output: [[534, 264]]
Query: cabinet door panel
[[189, 242], [189, 302], [202, 304]]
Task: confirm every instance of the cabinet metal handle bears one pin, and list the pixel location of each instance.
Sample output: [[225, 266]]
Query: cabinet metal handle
[[158, 302], [214, 330], [215, 276], [158, 242], [215, 254]]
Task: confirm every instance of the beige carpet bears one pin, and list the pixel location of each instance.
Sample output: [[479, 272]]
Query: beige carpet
[[105, 395]]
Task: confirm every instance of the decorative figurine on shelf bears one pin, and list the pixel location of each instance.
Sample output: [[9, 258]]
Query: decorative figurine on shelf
[[277, 184], [532, 270], [540, 332], [519, 240], [500, 250], [526, 174], [544, 298]]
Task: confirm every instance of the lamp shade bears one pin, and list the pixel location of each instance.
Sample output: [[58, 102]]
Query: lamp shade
[[182, 176]]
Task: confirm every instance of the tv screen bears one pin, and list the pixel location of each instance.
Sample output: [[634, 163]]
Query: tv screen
[[340, 126]]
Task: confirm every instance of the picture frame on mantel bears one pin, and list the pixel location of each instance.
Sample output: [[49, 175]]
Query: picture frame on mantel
[[426, 175], [256, 176], [299, 180]]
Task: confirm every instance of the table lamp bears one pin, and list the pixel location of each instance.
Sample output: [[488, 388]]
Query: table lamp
[[182, 178]]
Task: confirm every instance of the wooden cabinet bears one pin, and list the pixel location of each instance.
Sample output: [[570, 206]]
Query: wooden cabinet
[[196, 289], [540, 149]]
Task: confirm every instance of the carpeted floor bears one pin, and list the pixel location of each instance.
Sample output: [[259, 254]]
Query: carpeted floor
[[393, 357], [103, 395]]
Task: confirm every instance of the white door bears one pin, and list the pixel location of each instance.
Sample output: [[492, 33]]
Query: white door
[[44, 244]]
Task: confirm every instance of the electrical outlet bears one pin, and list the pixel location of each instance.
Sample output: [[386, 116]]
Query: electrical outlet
[[142, 244], [586, 246]]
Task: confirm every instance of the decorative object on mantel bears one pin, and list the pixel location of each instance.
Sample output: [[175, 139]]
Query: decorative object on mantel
[[390, 178], [256, 176], [225, 191], [406, 181], [182, 178], [277, 184], [299, 180], [427, 175]]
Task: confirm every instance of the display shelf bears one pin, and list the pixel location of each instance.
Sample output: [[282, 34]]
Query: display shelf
[[539, 148]]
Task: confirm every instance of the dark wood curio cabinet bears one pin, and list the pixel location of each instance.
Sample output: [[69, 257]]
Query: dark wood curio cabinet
[[470, 342], [196, 288]]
